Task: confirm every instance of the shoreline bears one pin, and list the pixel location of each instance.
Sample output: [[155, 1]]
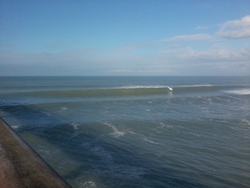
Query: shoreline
[[21, 166]]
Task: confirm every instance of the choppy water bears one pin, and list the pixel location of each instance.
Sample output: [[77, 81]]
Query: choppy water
[[133, 131]]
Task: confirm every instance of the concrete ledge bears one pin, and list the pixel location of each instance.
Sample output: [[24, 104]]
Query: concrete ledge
[[21, 166]]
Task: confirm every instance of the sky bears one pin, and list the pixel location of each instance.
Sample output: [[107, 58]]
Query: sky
[[125, 38]]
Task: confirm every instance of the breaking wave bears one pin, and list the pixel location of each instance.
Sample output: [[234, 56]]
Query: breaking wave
[[240, 92]]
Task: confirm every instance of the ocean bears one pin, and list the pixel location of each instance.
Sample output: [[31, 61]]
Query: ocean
[[120, 132]]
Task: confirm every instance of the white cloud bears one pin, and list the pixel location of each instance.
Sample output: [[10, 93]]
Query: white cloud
[[217, 55], [194, 37], [236, 28]]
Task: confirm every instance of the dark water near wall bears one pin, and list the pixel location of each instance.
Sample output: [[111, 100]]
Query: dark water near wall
[[134, 131]]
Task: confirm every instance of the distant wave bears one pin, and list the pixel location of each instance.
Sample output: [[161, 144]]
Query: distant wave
[[128, 91]]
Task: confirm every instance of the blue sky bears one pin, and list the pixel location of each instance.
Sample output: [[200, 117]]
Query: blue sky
[[117, 37]]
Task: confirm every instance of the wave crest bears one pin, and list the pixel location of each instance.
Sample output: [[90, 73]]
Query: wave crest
[[240, 92]]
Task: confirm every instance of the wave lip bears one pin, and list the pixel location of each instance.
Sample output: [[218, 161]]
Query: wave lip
[[144, 87]]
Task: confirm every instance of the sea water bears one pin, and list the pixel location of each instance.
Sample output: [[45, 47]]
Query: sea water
[[134, 131]]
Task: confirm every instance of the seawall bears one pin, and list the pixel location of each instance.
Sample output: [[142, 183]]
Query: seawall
[[21, 166]]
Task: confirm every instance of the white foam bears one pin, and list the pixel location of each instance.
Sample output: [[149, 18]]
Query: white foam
[[163, 125], [236, 98], [116, 132], [63, 109], [88, 184], [15, 127], [150, 141], [75, 126], [144, 87], [131, 132], [240, 92], [246, 121]]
